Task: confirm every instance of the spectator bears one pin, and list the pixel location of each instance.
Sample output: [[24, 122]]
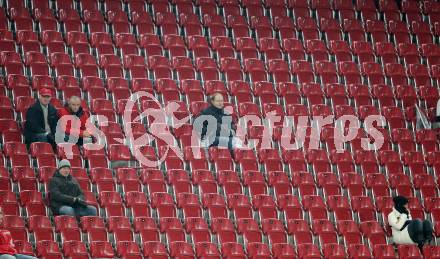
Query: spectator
[[223, 133], [436, 122], [406, 230], [41, 119], [66, 196], [78, 132], [7, 248]]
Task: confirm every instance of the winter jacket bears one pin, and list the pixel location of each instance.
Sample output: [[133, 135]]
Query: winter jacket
[[82, 115], [35, 120], [6, 243], [62, 191], [397, 220], [222, 118]]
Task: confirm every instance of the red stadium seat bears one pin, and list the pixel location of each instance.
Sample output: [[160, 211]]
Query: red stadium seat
[[164, 204], [300, 229], [258, 250], [240, 205], [349, 230], [232, 250], [75, 249], [309, 251], [383, 251], [215, 205], [333, 251], [374, 232], [274, 229], [181, 249], [128, 249], [16, 226], [33, 202], [120, 227], [146, 228], [358, 251], [101, 249], [206, 250], [198, 229], [155, 249], [68, 228], [189, 204], [94, 227], [48, 249], [224, 229], [41, 227], [249, 229]]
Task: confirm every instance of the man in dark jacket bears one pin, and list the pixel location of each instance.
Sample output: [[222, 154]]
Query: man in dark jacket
[[221, 133], [66, 196], [41, 119]]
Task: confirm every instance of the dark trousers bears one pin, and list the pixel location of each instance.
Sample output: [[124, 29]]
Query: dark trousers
[[420, 231], [41, 137]]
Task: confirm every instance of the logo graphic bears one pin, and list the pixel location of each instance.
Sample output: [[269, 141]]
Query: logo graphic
[[301, 130]]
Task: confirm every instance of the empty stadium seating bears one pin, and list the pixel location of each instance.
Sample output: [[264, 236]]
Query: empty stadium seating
[[293, 58]]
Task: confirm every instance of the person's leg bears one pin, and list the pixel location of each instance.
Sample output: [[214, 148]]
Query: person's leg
[[5, 256], [20, 256], [427, 230], [67, 210], [40, 137], [415, 231], [86, 211], [224, 142]]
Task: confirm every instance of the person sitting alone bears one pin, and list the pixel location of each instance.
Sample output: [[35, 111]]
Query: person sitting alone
[[7, 247], [41, 119], [222, 134], [406, 230], [66, 196], [78, 133]]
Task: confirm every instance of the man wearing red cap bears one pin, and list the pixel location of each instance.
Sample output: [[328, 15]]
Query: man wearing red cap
[[41, 119]]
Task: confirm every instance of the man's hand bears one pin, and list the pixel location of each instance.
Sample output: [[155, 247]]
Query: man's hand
[[81, 202], [86, 134]]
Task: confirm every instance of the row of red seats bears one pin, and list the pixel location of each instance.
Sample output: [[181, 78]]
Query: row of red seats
[[247, 47], [396, 120], [255, 181], [268, 97], [246, 159], [119, 20], [241, 91], [221, 229], [411, 8], [262, 203], [269, 157], [254, 69], [158, 250], [197, 228]]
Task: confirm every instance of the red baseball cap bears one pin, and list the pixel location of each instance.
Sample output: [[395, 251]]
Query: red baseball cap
[[45, 92]]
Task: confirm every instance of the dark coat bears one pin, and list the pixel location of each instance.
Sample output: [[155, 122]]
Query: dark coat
[[63, 190], [35, 121], [221, 117]]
